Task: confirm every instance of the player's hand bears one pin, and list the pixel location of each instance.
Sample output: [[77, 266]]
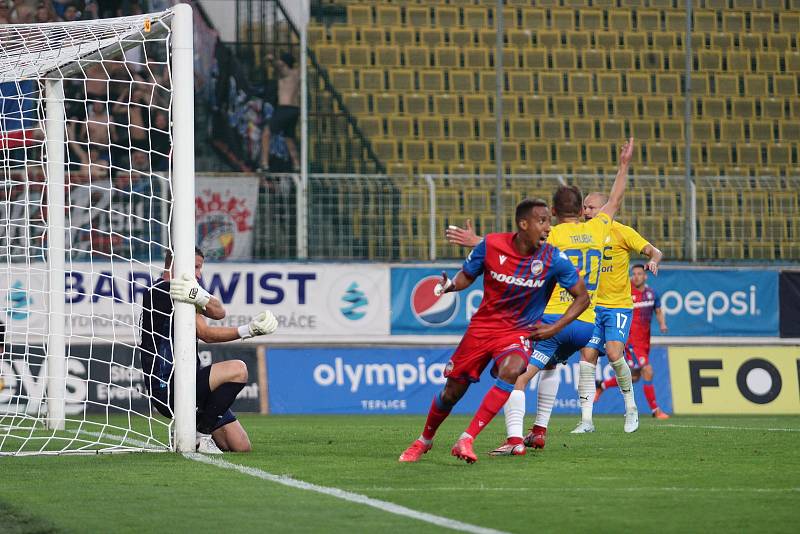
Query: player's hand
[[651, 266], [626, 153], [663, 328], [444, 285], [543, 331], [466, 237], [263, 324], [186, 289]]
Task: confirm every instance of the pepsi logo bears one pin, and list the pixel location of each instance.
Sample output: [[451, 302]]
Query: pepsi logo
[[429, 309]]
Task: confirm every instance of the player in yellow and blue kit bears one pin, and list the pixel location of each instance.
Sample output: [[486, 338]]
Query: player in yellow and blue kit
[[614, 312]]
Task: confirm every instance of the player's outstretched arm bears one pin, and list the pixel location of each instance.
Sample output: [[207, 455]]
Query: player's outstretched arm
[[466, 237], [662, 321], [262, 324], [579, 304], [620, 182], [655, 256], [446, 285]]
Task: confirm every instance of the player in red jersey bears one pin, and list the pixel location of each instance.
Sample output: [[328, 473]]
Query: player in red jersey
[[637, 350], [520, 271]]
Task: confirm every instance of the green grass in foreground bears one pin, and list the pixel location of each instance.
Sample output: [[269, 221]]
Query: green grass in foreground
[[662, 478]]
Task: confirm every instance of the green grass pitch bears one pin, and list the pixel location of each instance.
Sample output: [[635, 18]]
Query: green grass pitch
[[679, 475]]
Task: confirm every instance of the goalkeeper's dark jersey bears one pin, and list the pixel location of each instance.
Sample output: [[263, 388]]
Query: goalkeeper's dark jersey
[[155, 349]]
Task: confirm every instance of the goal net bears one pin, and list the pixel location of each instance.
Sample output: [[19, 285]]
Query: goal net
[[96, 182]]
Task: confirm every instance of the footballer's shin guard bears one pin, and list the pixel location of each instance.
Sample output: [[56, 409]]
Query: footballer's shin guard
[[586, 390]]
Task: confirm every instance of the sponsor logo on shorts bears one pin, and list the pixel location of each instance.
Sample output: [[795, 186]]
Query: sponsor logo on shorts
[[540, 357], [594, 340]]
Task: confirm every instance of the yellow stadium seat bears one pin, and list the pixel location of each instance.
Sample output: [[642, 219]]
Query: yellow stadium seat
[[671, 130], [730, 250], [755, 85], [535, 105], [447, 17], [385, 149], [609, 83], [403, 36], [343, 35], [595, 106], [668, 84], [593, 59], [651, 227], [568, 153], [719, 154], [635, 40], [371, 126], [359, 15], [373, 36], [622, 60], [721, 42], [790, 22], [562, 19], [387, 15], [626, 106], [748, 154], [733, 21], [789, 131], [773, 108], [415, 104], [476, 151], [534, 18], [738, 61], [783, 203], [316, 35], [761, 131], [579, 39], [743, 107], [430, 127], [761, 22], [565, 59], [639, 83], [521, 128], [664, 203], [755, 202], [779, 154], [476, 105], [551, 129], [431, 37], [590, 19], [648, 20], [399, 168], [445, 151], [712, 107], [342, 79], [487, 37], [792, 60], [358, 55], [705, 20], [598, 153], [565, 106], [461, 128], [401, 80], [414, 150], [328, 55], [675, 21], [778, 42], [767, 62], [659, 153], [510, 151], [643, 129], [711, 227], [520, 82], [519, 39], [510, 59], [462, 81], [580, 83], [731, 130], [431, 80], [417, 56], [476, 17], [695, 153], [742, 227], [534, 58], [606, 40], [488, 80], [401, 127], [461, 37], [612, 130], [476, 58], [418, 16], [700, 83], [548, 38], [654, 106], [446, 56], [550, 82], [356, 103], [709, 60], [537, 152], [785, 85], [703, 130], [445, 105], [726, 84], [760, 250], [581, 129], [620, 20], [386, 103]]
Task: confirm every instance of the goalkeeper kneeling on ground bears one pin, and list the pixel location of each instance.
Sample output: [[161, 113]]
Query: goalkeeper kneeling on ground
[[217, 384]]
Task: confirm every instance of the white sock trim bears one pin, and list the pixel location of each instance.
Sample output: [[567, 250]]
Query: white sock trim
[[549, 380]]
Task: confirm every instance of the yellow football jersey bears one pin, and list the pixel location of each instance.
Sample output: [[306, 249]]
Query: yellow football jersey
[[581, 242], [615, 280]]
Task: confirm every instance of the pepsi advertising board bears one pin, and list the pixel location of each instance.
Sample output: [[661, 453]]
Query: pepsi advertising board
[[416, 310], [718, 302], [403, 380]]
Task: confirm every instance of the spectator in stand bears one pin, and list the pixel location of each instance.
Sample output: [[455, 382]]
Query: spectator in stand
[[284, 118], [71, 13], [4, 13], [45, 12], [23, 12]]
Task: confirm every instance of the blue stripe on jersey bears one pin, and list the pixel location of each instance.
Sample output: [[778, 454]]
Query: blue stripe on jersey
[[511, 287]]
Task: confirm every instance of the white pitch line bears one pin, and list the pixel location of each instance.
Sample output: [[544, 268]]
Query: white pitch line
[[589, 490], [716, 427], [345, 495]]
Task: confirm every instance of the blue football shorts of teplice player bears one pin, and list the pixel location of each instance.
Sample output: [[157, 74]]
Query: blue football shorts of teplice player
[[571, 339], [610, 324]]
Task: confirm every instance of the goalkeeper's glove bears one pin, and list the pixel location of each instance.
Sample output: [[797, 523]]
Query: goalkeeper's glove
[[186, 289], [262, 324], [443, 286]]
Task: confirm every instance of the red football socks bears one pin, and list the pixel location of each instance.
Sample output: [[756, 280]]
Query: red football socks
[[610, 383], [436, 416], [492, 403], [650, 395]]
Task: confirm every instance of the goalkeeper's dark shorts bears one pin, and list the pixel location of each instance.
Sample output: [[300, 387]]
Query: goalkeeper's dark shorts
[[163, 397]]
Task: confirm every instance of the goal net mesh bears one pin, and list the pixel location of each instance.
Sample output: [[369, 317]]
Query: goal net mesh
[[116, 77]]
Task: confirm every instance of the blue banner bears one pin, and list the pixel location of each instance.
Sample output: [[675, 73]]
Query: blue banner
[[718, 302], [416, 310], [405, 379]]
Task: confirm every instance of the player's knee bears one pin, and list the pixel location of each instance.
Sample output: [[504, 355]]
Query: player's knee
[[239, 371], [647, 372]]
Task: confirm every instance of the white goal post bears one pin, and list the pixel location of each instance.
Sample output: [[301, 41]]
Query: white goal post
[[96, 184]]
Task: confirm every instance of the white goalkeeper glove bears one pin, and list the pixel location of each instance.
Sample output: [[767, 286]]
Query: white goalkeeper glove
[[186, 289], [443, 286], [262, 324]]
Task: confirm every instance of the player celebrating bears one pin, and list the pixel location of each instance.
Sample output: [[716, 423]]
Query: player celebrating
[[520, 272], [637, 350], [217, 384], [583, 243], [614, 309]]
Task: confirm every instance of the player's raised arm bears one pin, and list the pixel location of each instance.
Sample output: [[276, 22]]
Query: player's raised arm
[[620, 182], [262, 324], [187, 289], [654, 255], [466, 237]]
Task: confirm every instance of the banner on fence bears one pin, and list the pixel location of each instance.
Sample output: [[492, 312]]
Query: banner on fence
[[719, 302], [405, 379], [790, 304], [735, 380], [225, 211]]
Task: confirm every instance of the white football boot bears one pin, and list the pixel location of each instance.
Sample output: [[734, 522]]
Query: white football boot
[[583, 428], [632, 421], [206, 444]]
